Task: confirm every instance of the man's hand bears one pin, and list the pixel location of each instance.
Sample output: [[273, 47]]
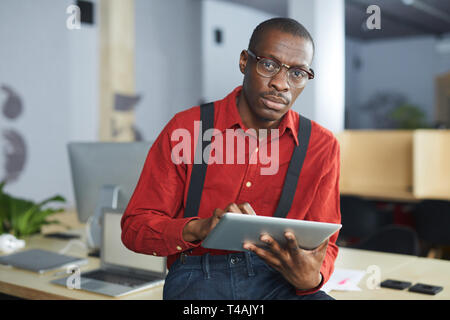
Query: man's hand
[[298, 266], [198, 229]]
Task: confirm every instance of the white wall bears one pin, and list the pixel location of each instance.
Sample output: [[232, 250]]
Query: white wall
[[323, 100], [34, 60], [168, 61], [352, 71], [402, 66], [54, 71], [353, 61], [84, 80], [407, 66], [442, 61], [170, 33], [221, 61]]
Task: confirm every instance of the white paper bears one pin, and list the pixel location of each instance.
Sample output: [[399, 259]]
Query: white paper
[[344, 280]]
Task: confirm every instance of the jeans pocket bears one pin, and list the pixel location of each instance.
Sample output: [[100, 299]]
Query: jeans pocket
[[176, 283], [261, 263]]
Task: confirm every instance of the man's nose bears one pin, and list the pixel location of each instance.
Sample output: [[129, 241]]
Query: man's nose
[[280, 81]]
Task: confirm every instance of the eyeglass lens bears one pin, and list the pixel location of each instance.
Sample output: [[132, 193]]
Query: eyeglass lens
[[269, 68]]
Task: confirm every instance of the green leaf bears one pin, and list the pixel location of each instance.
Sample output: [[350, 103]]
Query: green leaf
[[17, 209], [39, 218], [24, 217], [57, 198], [4, 208], [23, 221], [408, 116]]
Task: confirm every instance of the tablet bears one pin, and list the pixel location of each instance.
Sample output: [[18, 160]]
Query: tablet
[[234, 229]]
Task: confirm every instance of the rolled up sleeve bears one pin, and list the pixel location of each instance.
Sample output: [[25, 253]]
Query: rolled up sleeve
[[153, 220], [326, 208]]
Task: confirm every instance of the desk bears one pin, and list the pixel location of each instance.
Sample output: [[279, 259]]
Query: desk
[[30, 285], [393, 266]]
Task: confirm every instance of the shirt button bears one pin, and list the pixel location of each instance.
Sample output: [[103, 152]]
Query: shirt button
[[154, 253], [256, 150], [248, 184], [179, 248]]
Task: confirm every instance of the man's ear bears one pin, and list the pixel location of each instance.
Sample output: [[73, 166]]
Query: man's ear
[[243, 59]]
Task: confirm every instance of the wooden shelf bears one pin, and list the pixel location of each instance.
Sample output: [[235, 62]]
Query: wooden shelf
[[377, 163], [404, 165], [381, 194], [432, 164]]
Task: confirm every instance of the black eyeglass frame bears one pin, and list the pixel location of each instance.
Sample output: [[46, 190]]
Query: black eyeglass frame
[[310, 72]]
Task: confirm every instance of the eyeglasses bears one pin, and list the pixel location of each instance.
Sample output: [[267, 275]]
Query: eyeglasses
[[268, 68]]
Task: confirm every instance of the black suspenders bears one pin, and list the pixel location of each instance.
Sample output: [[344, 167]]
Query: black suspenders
[[199, 169], [200, 166], [294, 169]]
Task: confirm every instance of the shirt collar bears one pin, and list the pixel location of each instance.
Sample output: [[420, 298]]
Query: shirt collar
[[228, 116]]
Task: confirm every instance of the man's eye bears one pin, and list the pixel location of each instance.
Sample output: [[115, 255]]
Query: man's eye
[[298, 73], [269, 65]]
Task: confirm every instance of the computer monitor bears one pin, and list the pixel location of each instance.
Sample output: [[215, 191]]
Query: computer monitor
[[105, 174]]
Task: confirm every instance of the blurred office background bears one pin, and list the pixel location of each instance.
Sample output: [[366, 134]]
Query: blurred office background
[[132, 64]]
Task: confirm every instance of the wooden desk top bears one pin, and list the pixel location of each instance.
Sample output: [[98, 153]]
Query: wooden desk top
[[382, 194], [397, 267], [30, 285]]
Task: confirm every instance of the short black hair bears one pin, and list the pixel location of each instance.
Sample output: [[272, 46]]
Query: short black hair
[[287, 25]]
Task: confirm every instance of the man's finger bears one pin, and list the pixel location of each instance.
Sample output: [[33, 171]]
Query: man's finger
[[218, 213], [247, 208], [292, 243], [323, 246], [233, 207], [272, 245], [267, 256]]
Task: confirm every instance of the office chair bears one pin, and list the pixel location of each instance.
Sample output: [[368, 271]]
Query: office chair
[[359, 218], [392, 239], [432, 220]]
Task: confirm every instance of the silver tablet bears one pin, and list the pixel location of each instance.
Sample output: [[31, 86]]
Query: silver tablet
[[234, 229]]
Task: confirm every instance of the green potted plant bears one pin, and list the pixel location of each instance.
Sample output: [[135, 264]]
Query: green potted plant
[[409, 117], [22, 217]]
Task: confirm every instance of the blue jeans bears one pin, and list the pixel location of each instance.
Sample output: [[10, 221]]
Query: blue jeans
[[237, 276]]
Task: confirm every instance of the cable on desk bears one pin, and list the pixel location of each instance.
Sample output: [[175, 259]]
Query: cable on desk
[[70, 244]]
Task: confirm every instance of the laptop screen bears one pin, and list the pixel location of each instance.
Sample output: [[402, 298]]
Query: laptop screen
[[115, 253]]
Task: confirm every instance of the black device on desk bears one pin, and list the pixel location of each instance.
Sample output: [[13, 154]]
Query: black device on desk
[[62, 236], [425, 288], [395, 284], [418, 287]]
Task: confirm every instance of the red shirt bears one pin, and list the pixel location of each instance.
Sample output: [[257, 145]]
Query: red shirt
[[153, 220]]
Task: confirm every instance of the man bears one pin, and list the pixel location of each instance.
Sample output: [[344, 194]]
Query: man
[[276, 69]]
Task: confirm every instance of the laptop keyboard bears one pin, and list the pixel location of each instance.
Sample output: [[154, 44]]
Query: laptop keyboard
[[118, 278]]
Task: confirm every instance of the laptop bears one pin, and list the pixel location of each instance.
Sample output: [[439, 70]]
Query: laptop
[[122, 271], [40, 261]]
